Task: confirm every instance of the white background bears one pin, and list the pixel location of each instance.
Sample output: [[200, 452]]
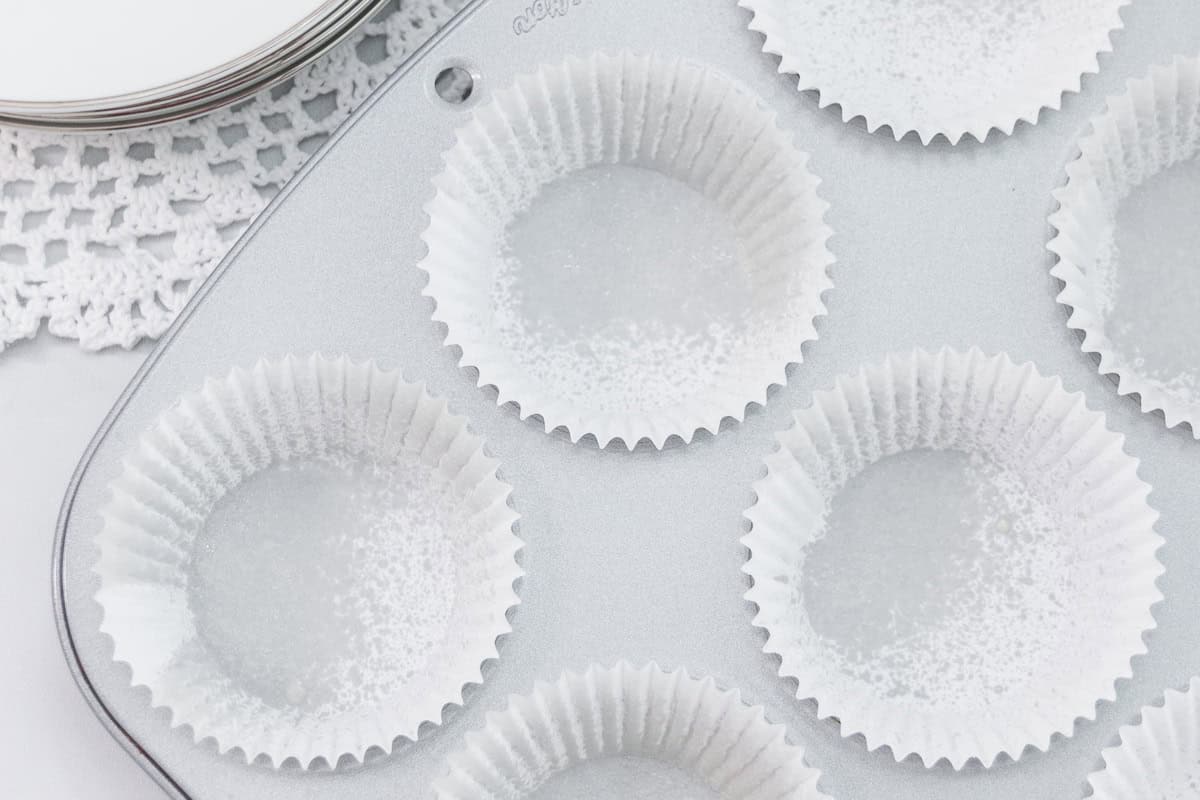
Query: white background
[[53, 396]]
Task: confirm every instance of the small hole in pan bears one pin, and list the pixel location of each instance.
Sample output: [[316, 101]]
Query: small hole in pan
[[455, 85]]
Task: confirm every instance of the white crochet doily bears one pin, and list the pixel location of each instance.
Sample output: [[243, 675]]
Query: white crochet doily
[[104, 236]]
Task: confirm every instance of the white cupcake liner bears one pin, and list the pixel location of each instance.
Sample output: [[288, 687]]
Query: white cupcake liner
[[1153, 126], [527, 163], [1158, 758], [942, 67], [1007, 629], [667, 718], [191, 570]]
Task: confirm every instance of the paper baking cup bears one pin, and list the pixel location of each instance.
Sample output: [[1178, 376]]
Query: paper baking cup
[[627, 246], [1127, 241], [307, 559], [1158, 759], [953, 556], [938, 66], [626, 732]]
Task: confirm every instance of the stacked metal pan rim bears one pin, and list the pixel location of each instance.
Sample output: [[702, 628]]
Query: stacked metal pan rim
[[132, 64]]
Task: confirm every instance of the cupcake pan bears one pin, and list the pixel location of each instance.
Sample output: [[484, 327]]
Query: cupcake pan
[[637, 555]]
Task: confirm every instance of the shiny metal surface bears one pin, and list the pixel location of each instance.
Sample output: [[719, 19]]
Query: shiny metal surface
[[637, 555], [270, 63]]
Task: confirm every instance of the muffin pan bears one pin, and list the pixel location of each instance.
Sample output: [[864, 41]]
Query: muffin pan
[[395, 257]]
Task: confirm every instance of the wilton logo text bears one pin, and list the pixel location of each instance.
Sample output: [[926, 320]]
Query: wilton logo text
[[540, 10]]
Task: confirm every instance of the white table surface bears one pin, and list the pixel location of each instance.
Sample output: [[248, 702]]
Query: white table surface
[[53, 396]]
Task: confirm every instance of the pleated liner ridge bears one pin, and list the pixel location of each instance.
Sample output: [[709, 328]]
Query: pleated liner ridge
[[668, 717], [857, 56], [1154, 125], [1157, 758]]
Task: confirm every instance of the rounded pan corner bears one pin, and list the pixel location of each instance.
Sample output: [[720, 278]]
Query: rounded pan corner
[[62, 526]]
